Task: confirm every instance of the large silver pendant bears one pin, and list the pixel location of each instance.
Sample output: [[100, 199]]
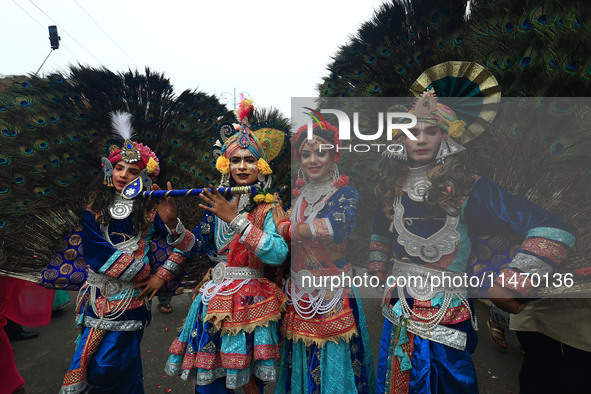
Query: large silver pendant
[[218, 273], [120, 209], [243, 202], [430, 249]]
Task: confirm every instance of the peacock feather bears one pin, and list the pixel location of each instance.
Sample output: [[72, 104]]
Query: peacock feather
[[53, 132], [533, 49]]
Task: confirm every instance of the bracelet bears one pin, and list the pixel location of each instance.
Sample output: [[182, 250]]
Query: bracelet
[[239, 224], [284, 229], [295, 233]]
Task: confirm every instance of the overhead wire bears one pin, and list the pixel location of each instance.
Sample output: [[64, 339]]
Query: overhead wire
[[25, 11], [40, 24], [103, 30], [64, 30]]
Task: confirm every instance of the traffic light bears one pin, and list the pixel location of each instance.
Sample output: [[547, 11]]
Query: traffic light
[[54, 39]]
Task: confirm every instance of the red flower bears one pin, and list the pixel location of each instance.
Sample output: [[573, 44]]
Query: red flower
[[342, 181], [299, 182], [296, 192]]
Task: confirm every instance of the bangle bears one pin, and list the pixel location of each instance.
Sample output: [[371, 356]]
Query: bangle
[[295, 234], [239, 224], [283, 221], [313, 231], [284, 230]]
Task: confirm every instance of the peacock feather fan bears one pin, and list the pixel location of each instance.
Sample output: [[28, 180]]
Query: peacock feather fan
[[533, 49], [54, 131]]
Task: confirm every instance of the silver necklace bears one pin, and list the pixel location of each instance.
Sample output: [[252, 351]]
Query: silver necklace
[[430, 249], [313, 193], [417, 183], [129, 246], [243, 202], [121, 208]]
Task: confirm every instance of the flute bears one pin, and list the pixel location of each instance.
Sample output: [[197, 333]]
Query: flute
[[134, 190]]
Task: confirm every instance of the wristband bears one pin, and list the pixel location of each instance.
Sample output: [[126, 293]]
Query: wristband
[[239, 224]]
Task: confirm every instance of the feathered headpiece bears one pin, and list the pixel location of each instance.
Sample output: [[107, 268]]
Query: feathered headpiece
[[329, 134], [131, 152], [245, 138]]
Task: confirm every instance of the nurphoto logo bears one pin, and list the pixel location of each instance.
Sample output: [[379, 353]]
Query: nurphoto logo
[[391, 119]]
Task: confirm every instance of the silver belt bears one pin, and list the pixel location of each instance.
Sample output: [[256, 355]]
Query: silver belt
[[315, 281], [424, 283], [220, 273], [108, 286], [441, 334]]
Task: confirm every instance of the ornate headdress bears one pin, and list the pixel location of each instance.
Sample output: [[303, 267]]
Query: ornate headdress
[[471, 117], [324, 133], [265, 143], [130, 152], [300, 141]]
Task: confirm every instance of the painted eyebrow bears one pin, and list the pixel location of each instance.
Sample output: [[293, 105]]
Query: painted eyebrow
[[243, 157]]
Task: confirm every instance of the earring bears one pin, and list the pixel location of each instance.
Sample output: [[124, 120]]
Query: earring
[[334, 172], [107, 172]]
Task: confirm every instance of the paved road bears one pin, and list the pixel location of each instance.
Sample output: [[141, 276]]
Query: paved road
[[43, 361]]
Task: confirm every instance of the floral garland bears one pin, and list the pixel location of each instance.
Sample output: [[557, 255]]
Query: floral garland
[[264, 196]]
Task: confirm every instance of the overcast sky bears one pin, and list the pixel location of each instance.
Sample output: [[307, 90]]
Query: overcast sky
[[272, 50]]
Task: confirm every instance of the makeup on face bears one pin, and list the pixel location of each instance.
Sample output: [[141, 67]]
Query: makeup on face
[[424, 149], [244, 167], [123, 173], [316, 164]]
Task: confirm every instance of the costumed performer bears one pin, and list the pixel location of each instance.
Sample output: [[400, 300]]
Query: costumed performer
[[230, 339], [112, 310], [429, 202], [326, 344]]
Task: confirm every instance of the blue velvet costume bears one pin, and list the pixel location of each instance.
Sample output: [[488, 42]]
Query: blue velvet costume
[[327, 351], [111, 317], [432, 363]]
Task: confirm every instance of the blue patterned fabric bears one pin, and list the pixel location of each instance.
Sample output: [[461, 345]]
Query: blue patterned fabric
[[346, 366], [436, 368], [212, 238], [202, 337]]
